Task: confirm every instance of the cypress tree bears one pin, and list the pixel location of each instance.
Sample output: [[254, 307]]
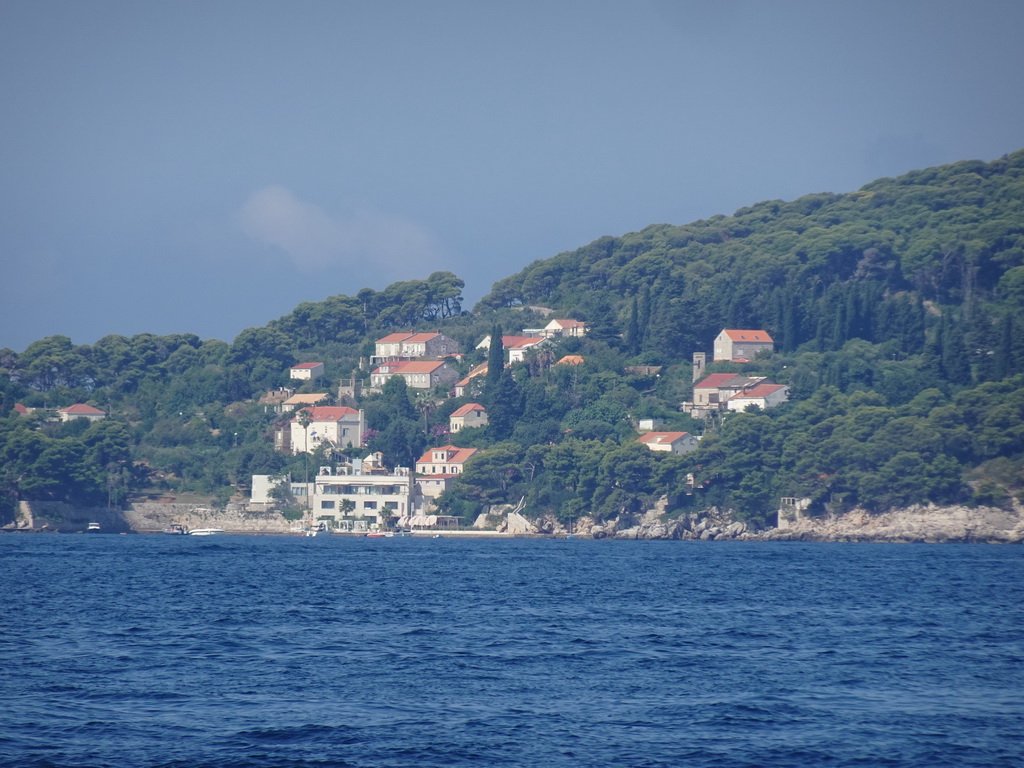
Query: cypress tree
[[954, 353], [633, 339], [495, 364]]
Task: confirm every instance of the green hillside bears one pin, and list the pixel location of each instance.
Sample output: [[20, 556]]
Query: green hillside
[[896, 312]]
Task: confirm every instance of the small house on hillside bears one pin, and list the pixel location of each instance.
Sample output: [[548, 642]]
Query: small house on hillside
[[741, 346], [339, 426], [414, 346], [301, 401], [306, 371], [462, 386], [565, 328], [436, 468], [763, 396], [469, 415], [669, 442], [418, 374], [81, 411]]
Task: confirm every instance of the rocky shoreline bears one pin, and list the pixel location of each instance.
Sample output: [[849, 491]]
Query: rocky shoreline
[[925, 524]]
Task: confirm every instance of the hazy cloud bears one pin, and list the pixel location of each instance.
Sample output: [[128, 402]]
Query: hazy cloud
[[313, 239]]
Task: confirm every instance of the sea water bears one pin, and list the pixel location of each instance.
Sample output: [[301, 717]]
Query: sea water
[[288, 651]]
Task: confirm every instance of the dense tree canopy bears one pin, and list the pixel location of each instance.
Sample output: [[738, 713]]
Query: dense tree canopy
[[896, 312]]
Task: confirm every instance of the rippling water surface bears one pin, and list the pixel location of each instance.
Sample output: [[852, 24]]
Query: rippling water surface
[[274, 651]]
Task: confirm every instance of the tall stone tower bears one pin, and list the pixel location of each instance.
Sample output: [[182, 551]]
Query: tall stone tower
[[699, 361]]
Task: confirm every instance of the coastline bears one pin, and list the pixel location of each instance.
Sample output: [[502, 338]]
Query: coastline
[[918, 524]]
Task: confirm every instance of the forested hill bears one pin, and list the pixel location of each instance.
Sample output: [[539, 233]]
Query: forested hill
[[824, 268], [897, 312]]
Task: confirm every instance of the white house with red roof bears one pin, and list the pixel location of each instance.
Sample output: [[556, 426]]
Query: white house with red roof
[[741, 346], [306, 371], [418, 374], [670, 442], [515, 347], [763, 396], [81, 411], [716, 388], [436, 468], [565, 328], [469, 415], [413, 346], [338, 425]]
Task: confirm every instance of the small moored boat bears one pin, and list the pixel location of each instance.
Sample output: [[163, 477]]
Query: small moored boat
[[205, 531]]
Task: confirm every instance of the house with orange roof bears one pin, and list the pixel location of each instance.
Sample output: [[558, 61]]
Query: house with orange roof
[[418, 374], [515, 347], [741, 346], [670, 442], [462, 385], [436, 468], [716, 388], [763, 396], [81, 411], [337, 425], [306, 371], [469, 415], [571, 360]]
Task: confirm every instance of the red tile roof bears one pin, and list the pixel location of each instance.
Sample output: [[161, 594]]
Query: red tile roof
[[393, 338], [81, 409], [411, 366], [744, 335], [662, 438], [715, 380], [467, 409], [761, 390], [328, 412], [456, 455]]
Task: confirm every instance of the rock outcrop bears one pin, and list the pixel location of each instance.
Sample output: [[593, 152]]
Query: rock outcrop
[[913, 524]]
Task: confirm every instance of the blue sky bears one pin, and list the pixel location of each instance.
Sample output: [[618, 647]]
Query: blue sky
[[203, 167]]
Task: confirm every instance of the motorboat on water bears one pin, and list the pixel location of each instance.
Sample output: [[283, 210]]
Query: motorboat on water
[[388, 534], [93, 528], [206, 531], [176, 530]]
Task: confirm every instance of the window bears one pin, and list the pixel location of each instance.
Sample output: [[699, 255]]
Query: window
[[369, 505], [326, 505]]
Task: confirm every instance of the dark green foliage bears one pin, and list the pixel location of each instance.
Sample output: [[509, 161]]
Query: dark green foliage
[[895, 310]]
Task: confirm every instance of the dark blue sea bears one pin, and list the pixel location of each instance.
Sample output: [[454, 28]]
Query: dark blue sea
[[273, 651]]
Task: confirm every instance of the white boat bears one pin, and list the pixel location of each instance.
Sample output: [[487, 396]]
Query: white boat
[[205, 531], [94, 527]]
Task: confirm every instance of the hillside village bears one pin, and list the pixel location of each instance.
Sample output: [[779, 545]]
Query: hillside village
[[859, 353], [360, 494]]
